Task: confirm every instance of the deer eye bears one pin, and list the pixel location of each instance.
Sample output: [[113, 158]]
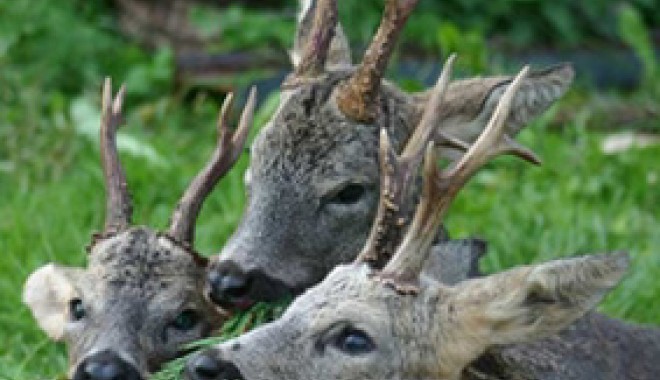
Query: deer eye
[[186, 320], [77, 309], [354, 342], [349, 194]]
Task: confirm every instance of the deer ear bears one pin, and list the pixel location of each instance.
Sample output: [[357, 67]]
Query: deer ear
[[533, 302], [340, 52], [47, 292], [469, 103], [537, 93]]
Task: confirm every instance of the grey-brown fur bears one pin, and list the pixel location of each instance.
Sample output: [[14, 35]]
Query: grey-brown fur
[[135, 286], [440, 331], [295, 228], [379, 319], [595, 347], [140, 299]]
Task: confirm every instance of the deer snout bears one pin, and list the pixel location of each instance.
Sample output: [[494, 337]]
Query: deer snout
[[229, 288], [106, 365], [232, 287], [206, 366]]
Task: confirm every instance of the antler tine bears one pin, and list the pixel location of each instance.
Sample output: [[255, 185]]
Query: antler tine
[[427, 125], [385, 233], [440, 188], [226, 153], [118, 209], [316, 51], [396, 177], [358, 97]]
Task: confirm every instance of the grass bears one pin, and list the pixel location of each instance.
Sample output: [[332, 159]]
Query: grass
[[579, 201]]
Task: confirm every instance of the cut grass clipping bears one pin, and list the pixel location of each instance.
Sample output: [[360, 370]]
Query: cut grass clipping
[[239, 324]]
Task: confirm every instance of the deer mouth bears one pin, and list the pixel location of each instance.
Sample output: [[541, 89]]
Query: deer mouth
[[240, 304], [238, 291]]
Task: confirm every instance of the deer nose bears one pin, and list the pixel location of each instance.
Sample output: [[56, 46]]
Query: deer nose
[[229, 288], [106, 365], [206, 367]]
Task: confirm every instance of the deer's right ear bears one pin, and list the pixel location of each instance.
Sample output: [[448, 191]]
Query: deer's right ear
[[470, 103], [47, 292], [339, 54]]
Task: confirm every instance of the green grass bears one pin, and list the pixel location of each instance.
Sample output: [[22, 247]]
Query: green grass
[[579, 201], [51, 198]]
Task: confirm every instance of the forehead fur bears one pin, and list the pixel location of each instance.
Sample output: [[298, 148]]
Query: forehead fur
[[309, 133], [354, 284], [142, 259]]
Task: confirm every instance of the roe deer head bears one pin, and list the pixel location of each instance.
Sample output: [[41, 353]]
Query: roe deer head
[[377, 318], [140, 298], [313, 179]]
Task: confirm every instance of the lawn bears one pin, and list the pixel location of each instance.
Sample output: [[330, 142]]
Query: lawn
[[579, 201]]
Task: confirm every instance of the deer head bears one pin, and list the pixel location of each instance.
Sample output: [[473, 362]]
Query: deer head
[[140, 298], [313, 179], [377, 318]]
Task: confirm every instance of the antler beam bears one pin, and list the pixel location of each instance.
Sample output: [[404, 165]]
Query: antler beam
[[440, 189], [442, 186], [358, 98], [226, 153], [396, 177], [118, 209]]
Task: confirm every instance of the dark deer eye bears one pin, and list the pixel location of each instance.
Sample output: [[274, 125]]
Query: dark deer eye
[[350, 194], [77, 309], [354, 342], [186, 320]]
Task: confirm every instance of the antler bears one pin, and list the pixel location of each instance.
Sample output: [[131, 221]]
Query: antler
[[396, 177], [441, 187], [315, 53], [118, 208], [358, 97], [229, 146]]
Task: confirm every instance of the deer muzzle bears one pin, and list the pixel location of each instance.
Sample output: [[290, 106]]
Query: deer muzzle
[[206, 366]]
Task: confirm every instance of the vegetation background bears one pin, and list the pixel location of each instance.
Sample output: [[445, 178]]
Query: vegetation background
[[587, 197]]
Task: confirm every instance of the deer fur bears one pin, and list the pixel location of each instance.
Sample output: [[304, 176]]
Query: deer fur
[[439, 332], [379, 318], [310, 156], [140, 299], [135, 285]]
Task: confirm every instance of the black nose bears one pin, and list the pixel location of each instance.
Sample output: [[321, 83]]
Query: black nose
[[233, 287], [206, 367], [228, 287], [106, 365]]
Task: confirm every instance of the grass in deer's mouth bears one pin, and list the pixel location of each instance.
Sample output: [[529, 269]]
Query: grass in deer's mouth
[[239, 323]]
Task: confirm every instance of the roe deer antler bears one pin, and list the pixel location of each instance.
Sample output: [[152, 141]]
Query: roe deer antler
[[396, 177], [230, 144], [314, 55], [441, 186], [358, 98], [118, 208]]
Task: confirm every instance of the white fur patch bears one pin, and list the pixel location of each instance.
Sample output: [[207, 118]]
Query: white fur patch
[[47, 292], [304, 8]]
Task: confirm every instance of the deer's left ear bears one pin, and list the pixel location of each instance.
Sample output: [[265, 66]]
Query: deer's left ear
[[47, 293], [532, 302]]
